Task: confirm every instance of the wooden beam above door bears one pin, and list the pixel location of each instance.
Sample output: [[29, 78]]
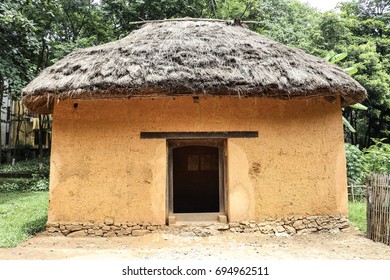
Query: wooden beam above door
[[199, 135]]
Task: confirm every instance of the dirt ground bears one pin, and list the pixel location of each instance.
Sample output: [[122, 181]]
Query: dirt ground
[[347, 245]]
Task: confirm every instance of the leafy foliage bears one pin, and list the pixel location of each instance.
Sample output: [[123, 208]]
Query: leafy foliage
[[378, 157], [27, 166], [374, 159], [38, 182], [356, 165]]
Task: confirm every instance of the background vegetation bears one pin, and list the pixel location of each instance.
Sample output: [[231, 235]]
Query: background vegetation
[[36, 33]]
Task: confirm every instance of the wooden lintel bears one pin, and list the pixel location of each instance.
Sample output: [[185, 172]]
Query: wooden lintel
[[199, 135]]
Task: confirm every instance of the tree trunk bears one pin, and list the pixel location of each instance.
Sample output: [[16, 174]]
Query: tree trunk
[[48, 134], [40, 136], [367, 137], [1, 105], [18, 127]]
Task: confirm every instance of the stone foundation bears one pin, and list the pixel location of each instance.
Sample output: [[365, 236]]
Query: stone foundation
[[280, 227]]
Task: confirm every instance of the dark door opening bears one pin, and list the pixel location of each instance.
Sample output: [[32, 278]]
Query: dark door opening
[[196, 179]]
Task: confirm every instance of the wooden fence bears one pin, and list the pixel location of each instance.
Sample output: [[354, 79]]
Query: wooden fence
[[378, 208], [357, 192]]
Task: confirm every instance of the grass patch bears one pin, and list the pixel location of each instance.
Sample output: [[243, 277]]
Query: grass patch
[[22, 214], [357, 215]]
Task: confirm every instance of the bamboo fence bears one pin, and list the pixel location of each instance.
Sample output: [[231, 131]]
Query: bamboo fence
[[356, 193], [378, 208]]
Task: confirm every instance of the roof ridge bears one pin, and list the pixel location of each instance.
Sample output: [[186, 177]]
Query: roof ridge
[[235, 21]]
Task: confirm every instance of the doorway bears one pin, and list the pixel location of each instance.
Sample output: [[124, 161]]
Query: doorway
[[196, 179]]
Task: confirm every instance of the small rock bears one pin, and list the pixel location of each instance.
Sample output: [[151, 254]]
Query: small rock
[[99, 232], [312, 225], [334, 230], [87, 224], [106, 228], [279, 229], [109, 222], [202, 234], [281, 234], [52, 225], [52, 229], [234, 224], [290, 230], [187, 234], [74, 228], [237, 229], [90, 231], [306, 231], [297, 223], [117, 224], [266, 229], [136, 227], [139, 232], [109, 234], [222, 227], [151, 228], [327, 226], [343, 225], [80, 233]]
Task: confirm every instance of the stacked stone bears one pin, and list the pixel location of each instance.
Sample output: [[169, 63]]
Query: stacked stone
[[288, 226], [107, 229], [293, 225]]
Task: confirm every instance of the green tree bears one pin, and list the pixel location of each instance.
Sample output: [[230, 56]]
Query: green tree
[[369, 50]]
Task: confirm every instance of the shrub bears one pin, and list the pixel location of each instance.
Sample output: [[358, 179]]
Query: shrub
[[374, 159], [377, 157], [38, 182], [26, 166], [356, 165]]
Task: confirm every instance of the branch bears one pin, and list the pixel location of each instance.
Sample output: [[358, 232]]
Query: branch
[[246, 8]]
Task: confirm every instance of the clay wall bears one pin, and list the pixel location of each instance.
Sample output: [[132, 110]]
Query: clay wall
[[101, 169]]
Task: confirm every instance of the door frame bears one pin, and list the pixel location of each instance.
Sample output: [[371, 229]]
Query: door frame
[[197, 217]]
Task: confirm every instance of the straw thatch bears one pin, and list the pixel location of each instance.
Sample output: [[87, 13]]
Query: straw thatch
[[190, 58]]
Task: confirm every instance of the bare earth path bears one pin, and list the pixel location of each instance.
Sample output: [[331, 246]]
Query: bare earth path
[[350, 244]]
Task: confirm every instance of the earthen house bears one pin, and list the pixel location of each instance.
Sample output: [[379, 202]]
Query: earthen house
[[192, 121]]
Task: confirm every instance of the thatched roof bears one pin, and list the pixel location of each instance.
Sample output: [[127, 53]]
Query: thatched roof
[[190, 58]]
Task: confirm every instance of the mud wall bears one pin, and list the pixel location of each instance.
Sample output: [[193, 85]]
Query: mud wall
[[101, 169]]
